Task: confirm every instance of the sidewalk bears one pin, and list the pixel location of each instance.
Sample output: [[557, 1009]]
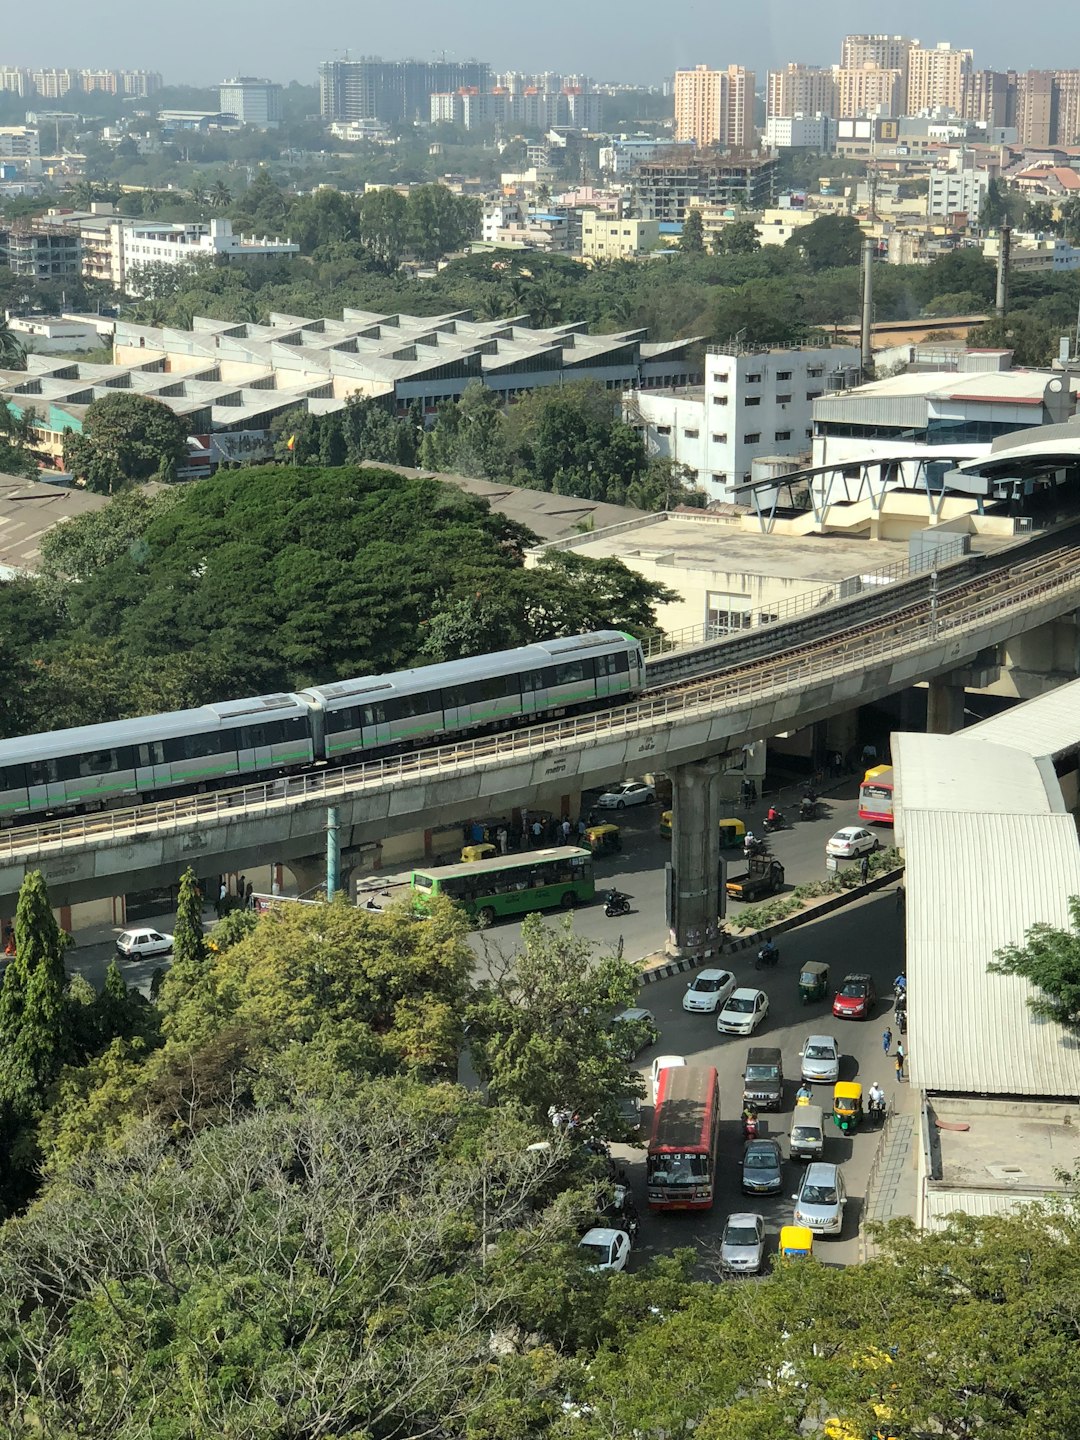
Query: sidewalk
[[892, 1188]]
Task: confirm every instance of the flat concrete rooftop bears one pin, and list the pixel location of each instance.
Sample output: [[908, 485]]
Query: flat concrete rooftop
[[1008, 1146]]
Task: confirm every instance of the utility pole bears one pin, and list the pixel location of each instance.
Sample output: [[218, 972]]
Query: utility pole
[[1001, 304], [332, 852], [866, 355]]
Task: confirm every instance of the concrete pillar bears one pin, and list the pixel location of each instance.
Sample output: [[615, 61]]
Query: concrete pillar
[[309, 872], [944, 706], [695, 904]]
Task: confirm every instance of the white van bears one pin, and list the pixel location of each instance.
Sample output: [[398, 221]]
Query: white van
[[807, 1134], [663, 1062]]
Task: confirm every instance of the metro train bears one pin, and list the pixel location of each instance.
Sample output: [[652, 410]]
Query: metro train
[[131, 762]]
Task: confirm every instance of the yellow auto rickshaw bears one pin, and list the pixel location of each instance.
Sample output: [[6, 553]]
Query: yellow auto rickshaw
[[665, 824], [732, 831], [795, 1240], [482, 851], [847, 1105], [813, 982], [603, 839]]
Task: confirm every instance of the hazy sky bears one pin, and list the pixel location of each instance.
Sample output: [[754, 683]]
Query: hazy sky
[[202, 41]]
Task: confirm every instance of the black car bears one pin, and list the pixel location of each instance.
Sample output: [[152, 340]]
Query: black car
[[762, 1168], [763, 1078]]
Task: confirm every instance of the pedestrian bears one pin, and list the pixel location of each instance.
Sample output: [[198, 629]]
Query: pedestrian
[[240, 888], [581, 829], [746, 800], [503, 839], [899, 899], [222, 899], [537, 834], [886, 1039], [899, 1062], [249, 896], [864, 869], [901, 1021], [566, 830]]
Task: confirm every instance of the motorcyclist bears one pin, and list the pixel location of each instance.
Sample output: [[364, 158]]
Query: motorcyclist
[[805, 1094], [774, 816], [899, 985], [750, 843], [749, 1119], [768, 953], [876, 1099]]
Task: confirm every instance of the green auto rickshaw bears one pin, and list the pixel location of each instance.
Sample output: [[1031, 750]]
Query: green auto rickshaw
[[813, 982], [603, 839]]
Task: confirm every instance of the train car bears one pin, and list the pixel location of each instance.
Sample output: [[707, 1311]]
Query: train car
[[126, 762], [510, 687]]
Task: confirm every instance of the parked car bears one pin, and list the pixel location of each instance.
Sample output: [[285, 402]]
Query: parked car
[[630, 792], [820, 1056], [606, 1249], [139, 944], [742, 1245], [708, 990], [820, 1199], [663, 1062], [743, 1012], [855, 998], [852, 840], [762, 1168], [632, 1031], [629, 1108]]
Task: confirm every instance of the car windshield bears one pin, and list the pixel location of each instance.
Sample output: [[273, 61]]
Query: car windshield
[[760, 1160], [707, 987], [740, 1005], [819, 1195], [741, 1235], [854, 989], [820, 1052], [805, 1132], [599, 1254], [760, 1072]]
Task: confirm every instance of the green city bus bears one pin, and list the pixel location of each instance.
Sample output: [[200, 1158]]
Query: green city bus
[[513, 884]]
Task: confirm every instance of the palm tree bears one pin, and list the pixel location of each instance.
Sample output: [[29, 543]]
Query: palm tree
[[152, 201], [12, 350], [220, 196]]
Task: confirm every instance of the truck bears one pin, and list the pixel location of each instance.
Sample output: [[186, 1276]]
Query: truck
[[763, 876]]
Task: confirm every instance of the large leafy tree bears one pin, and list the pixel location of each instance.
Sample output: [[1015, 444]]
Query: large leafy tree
[[126, 438], [33, 1029], [830, 242], [1050, 959]]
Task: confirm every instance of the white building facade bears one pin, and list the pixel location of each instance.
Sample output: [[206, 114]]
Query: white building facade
[[254, 102], [753, 404], [801, 132], [957, 192], [145, 243]]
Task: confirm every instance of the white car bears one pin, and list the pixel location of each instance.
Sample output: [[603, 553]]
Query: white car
[[852, 840], [708, 990], [743, 1012], [607, 1249], [663, 1062], [630, 792], [820, 1056], [138, 944]]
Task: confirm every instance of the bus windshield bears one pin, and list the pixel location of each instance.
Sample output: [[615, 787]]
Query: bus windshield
[[686, 1169]]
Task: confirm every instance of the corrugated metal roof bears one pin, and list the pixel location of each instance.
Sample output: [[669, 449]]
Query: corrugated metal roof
[[1049, 725], [954, 773], [940, 1204], [976, 882]]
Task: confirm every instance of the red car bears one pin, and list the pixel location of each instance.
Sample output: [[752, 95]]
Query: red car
[[855, 998]]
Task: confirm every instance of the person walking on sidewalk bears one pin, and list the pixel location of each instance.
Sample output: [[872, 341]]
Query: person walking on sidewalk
[[886, 1039], [899, 1062], [864, 869]]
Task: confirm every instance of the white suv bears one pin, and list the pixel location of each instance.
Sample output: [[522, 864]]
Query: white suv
[[138, 944]]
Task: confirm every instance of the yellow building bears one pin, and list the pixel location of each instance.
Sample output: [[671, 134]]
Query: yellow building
[[937, 77], [605, 238]]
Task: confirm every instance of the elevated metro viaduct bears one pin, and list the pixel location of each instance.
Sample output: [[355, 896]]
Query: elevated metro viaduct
[[692, 729]]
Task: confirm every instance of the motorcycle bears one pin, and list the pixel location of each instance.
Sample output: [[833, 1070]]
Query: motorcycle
[[776, 823], [754, 847], [767, 957], [808, 807], [750, 1123], [616, 904], [876, 1111]]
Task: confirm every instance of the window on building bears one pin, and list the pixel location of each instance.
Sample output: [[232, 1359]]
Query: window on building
[[752, 400], [783, 375], [663, 429], [719, 477], [783, 399], [809, 432], [813, 394], [753, 379], [719, 439], [726, 612], [719, 399], [721, 379], [782, 435], [690, 434], [815, 373], [753, 439]]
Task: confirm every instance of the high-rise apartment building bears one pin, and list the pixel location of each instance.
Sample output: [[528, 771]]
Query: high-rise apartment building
[[800, 90], [15, 80], [937, 78], [715, 107], [54, 84], [393, 90], [253, 102], [868, 90], [103, 82], [991, 99], [883, 52], [1048, 108]]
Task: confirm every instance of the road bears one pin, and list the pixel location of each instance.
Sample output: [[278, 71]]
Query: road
[[867, 935]]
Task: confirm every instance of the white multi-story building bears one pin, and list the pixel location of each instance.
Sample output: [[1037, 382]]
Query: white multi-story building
[[753, 404], [957, 192], [179, 244], [801, 132], [253, 102], [21, 143]]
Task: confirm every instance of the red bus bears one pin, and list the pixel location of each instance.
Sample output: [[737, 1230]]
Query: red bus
[[875, 796], [681, 1166]]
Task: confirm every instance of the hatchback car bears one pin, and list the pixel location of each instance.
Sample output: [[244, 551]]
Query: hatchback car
[[630, 792], [606, 1249], [708, 990], [632, 1031], [629, 1110], [659, 1065], [743, 1012], [138, 944], [820, 1199], [820, 1056], [762, 1168], [855, 998], [742, 1245], [851, 841]]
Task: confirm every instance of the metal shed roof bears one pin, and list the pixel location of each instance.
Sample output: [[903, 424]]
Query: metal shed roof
[[1048, 725]]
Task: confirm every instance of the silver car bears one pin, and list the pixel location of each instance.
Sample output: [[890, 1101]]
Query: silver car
[[820, 1199], [820, 1056], [742, 1246]]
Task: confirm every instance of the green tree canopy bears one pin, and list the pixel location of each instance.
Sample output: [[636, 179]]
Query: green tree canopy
[[829, 242], [1050, 959], [126, 438], [692, 240]]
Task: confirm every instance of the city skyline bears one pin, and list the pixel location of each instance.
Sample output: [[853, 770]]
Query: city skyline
[[206, 41]]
